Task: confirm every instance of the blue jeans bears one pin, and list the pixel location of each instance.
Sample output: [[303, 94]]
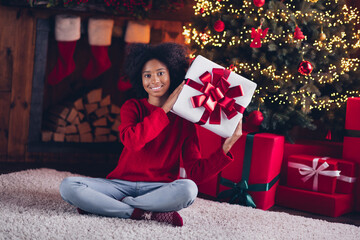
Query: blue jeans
[[118, 198]]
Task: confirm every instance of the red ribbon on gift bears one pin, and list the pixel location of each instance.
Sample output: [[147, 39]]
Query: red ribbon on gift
[[217, 95]]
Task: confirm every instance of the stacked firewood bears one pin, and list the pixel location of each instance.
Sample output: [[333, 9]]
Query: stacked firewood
[[91, 118]]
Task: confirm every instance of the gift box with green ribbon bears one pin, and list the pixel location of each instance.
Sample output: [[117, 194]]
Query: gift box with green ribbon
[[251, 179]]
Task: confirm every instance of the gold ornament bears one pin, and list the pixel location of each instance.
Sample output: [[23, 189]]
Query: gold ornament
[[314, 1], [322, 36]]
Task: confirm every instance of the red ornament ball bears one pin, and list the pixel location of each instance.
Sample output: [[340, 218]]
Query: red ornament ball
[[255, 118], [259, 3], [305, 68], [219, 26]]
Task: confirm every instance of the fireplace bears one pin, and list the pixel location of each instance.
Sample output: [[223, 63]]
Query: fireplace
[[45, 96]]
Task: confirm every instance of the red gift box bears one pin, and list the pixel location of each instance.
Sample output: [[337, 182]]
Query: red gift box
[[352, 126], [352, 140], [312, 173], [309, 147], [352, 114], [346, 181], [266, 156], [351, 149], [209, 142], [332, 205]]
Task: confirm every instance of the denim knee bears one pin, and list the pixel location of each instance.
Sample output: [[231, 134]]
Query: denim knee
[[189, 190], [65, 187]]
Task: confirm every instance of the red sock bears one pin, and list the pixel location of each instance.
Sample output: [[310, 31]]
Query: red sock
[[172, 218], [123, 85], [99, 62], [82, 212], [65, 64]]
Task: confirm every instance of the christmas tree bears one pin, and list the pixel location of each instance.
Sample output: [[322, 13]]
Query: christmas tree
[[299, 52]]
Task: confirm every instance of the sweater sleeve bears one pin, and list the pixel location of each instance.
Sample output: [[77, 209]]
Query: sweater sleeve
[[201, 169], [136, 132]]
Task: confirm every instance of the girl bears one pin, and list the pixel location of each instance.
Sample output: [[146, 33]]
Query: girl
[[145, 183]]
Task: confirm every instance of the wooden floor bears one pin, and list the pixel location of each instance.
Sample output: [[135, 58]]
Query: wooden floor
[[101, 171]]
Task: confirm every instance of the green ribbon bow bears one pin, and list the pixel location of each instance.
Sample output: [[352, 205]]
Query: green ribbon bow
[[238, 192]]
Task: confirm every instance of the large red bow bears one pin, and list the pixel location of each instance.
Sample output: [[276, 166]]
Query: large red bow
[[216, 96]]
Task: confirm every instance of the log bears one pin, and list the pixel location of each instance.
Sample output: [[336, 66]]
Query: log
[[78, 104], [76, 121], [100, 122], [71, 129], [101, 111], [87, 137], [72, 115], [84, 127], [91, 107], [105, 101], [101, 131], [81, 116], [114, 109], [46, 136], [72, 138], [94, 96], [101, 138], [59, 137]]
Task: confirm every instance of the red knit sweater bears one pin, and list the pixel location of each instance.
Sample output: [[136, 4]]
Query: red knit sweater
[[154, 143]]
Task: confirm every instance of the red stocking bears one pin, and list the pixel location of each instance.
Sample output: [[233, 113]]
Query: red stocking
[[100, 32], [65, 64], [67, 32], [123, 85], [99, 62]]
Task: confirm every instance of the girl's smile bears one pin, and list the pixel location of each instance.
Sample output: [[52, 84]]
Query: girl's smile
[[156, 88]]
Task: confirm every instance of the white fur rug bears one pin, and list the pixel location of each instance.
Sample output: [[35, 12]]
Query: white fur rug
[[31, 208]]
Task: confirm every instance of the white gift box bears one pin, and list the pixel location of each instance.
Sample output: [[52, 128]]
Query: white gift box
[[183, 107]]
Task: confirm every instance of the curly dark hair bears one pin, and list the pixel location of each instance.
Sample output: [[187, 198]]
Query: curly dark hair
[[174, 56]]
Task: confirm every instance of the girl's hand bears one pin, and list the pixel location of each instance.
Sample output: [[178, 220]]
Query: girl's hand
[[172, 98], [230, 141]]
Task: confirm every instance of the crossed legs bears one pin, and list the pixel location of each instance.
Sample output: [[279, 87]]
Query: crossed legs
[[125, 199]]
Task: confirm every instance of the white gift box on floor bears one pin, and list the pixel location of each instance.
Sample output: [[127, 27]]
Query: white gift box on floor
[[184, 108]]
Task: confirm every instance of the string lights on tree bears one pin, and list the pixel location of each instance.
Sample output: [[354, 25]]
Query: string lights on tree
[[292, 89]]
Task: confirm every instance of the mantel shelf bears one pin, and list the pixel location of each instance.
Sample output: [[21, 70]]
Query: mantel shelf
[[99, 10]]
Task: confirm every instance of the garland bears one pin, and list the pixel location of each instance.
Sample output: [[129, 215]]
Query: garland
[[136, 8]]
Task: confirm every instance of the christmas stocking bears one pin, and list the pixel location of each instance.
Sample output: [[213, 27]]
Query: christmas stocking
[[123, 84], [67, 32], [99, 33]]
